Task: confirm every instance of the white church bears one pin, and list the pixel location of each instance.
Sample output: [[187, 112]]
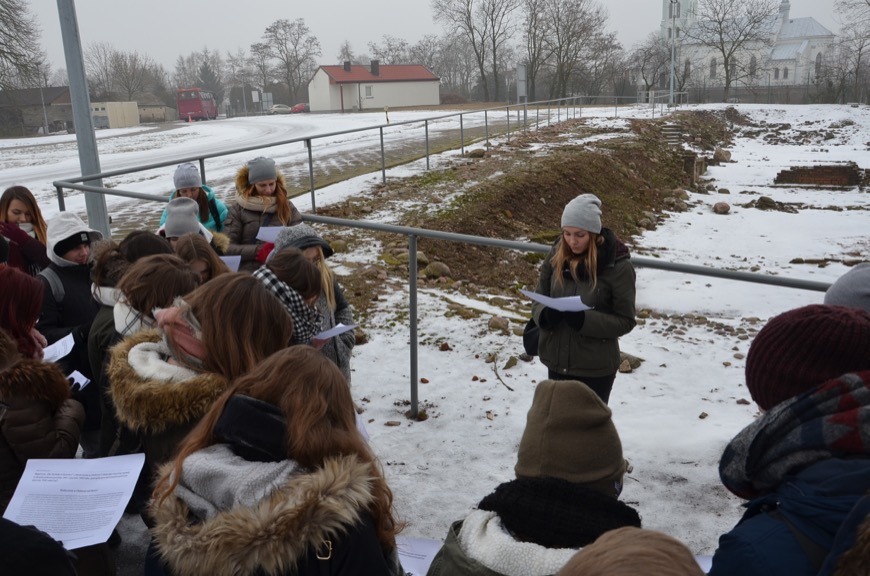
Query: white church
[[788, 65]]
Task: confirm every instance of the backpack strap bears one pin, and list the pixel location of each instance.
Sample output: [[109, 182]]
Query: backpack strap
[[814, 553], [55, 283], [215, 215]]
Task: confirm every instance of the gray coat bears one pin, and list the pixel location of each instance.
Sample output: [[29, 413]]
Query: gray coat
[[339, 348]]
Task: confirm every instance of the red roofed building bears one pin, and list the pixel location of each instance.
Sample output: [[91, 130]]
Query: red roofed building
[[353, 87]]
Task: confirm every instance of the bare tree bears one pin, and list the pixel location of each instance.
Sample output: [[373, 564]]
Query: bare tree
[[20, 54], [854, 42], [602, 66], [573, 26], [464, 17], [99, 63], [426, 52], [260, 62], [650, 60], [457, 65], [391, 50], [536, 51], [345, 53], [499, 17], [132, 72], [733, 31], [292, 44]]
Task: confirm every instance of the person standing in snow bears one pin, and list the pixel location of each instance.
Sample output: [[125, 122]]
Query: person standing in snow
[[261, 200], [804, 465], [188, 184], [591, 262], [569, 475], [331, 304]]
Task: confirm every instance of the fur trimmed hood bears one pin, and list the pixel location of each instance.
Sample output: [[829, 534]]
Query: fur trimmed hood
[[242, 180], [272, 535], [152, 395], [35, 380], [220, 241]]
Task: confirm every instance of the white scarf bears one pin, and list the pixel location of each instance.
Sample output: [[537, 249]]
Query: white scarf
[[128, 321]]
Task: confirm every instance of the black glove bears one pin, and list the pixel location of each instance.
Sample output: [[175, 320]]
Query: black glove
[[575, 319], [549, 318]]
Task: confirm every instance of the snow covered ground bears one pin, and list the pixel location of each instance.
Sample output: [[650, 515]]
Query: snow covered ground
[[674, 414]]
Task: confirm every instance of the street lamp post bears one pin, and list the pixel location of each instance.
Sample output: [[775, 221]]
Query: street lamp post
[[675, 7]]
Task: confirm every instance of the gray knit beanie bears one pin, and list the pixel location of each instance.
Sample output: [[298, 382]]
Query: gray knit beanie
[[300, 236], [187, 176], [852, 289], [583, 212], [182, 217], [261, 169]]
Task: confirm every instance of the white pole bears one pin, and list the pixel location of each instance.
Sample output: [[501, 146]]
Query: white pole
[[674, 7]]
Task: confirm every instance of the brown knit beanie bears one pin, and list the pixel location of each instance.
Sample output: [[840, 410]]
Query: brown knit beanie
[[802, 348], [569, 435]]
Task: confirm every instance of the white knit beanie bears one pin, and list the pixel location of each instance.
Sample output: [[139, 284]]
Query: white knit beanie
[[182, 217], [852, 289], [261, 169], [187, 176], [583, 212]]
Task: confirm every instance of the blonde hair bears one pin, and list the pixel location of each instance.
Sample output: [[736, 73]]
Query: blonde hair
[[589, 259], [315, 401], [630, 551]]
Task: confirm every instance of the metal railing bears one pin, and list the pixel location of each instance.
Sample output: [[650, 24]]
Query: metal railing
[[548, 110], [571, 111], [641, 262]]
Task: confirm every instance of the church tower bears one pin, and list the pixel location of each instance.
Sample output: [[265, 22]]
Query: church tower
[[677, 15]]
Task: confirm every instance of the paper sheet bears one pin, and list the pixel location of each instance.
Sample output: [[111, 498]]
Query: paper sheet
[[76, 501], [268, 233], [232, 262], [416, 554], [567, 304], [59, 349], [334, 331]]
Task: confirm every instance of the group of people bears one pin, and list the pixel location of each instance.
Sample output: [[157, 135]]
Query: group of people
[[255, 464]]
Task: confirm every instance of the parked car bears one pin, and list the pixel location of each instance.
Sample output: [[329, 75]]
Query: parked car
[[301, 107], [280, 109]]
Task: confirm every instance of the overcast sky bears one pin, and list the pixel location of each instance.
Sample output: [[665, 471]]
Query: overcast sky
[[165, 29]]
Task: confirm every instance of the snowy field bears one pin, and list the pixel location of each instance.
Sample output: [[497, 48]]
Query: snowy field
[[674, 414]]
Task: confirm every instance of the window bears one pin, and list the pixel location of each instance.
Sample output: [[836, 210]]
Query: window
[[368, 91], [776, 73], [732, 67], [818, 65], [785, 73], [687, 69], [753, 66], [670, 33], [712, 67]]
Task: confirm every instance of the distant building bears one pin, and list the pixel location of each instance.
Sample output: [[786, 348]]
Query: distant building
[[353, 87], [30, 111], [795, 55], [115, 114]]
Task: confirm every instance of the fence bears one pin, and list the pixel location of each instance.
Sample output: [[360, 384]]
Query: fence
[[413, 234]]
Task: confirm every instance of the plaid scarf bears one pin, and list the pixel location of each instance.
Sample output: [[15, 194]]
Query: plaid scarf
[[829, 421], [306, 319]]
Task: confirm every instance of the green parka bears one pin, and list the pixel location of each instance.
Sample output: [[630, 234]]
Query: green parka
[[594, 349]]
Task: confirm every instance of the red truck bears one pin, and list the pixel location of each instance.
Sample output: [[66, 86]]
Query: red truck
[[195, 104]]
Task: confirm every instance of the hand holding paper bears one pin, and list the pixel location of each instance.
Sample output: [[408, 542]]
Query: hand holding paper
[[566, 304]]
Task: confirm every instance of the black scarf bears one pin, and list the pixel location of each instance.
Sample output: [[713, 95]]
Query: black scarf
[[556, 513]]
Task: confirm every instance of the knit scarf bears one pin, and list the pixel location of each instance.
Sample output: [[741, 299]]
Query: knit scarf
[[306, 319], [556, 513], [263, 204], [182, 333], [829, 421]]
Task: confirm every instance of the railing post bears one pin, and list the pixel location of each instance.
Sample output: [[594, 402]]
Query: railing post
[[461, 135], [61, 204], [412, 316], [202, 169], [311, 174], [426, 124], [486, 125], [508, 116], [383, 161]]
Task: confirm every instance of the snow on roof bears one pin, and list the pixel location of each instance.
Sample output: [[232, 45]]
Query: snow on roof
[[803, 28], [788, 51]]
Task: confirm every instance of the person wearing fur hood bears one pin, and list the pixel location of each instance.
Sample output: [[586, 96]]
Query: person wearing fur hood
[[276, 479], [568, 476], [261, 199], [41, 420], [162, 381]]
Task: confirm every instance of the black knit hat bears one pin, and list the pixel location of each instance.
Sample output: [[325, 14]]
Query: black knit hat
[[802, 348], [70, 242]]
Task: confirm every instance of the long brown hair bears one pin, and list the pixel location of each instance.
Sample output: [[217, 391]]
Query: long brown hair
[[20, 306], [318, 409], [24, 195], [282, 198], [294, 270], [589, 259], [194, 246], [155, 281], [242, 323]]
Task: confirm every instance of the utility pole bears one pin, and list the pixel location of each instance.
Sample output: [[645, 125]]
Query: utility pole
[[675, 7]]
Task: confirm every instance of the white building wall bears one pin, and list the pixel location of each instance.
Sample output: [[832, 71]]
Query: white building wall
[[326, 97], [322, 95]]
